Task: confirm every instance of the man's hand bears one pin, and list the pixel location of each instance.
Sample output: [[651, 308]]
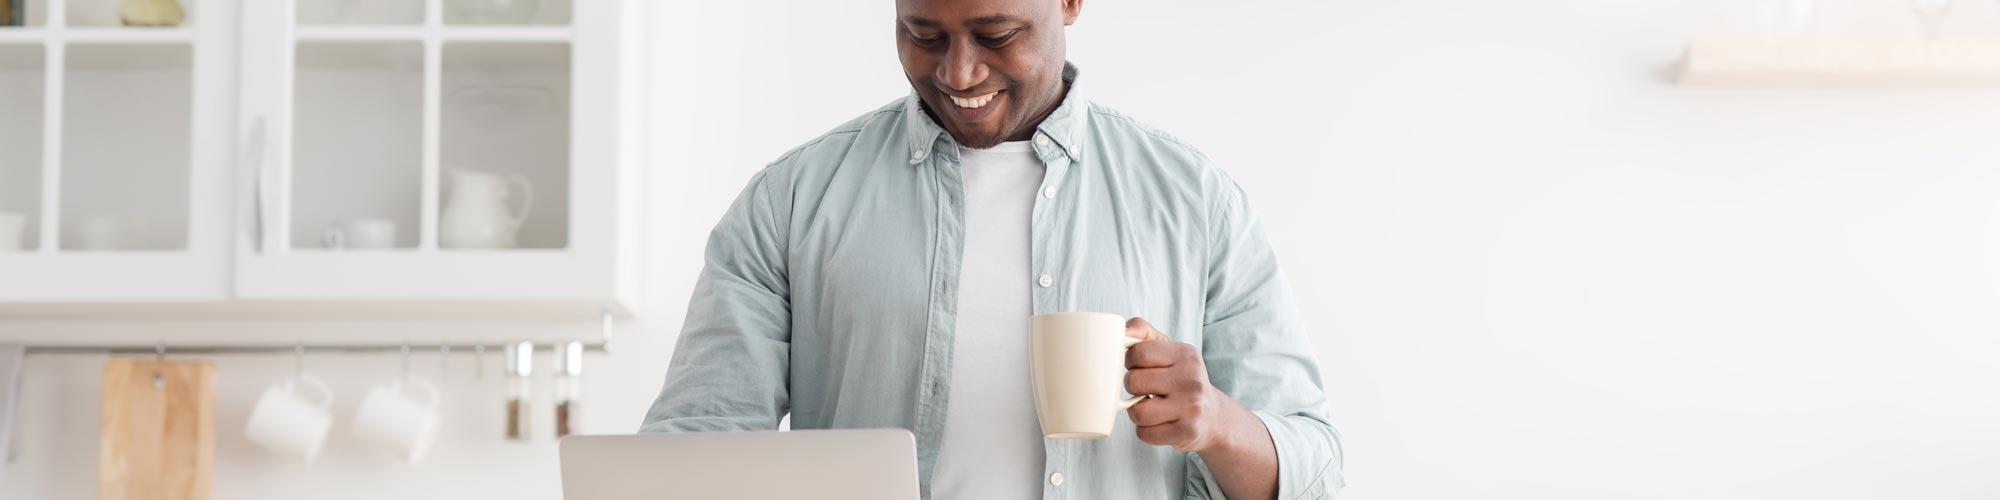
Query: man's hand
[[1188, 414], [1185, 412]]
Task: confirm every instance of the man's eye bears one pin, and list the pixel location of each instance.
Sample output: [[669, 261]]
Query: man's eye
[[926, 41], [998, 40]]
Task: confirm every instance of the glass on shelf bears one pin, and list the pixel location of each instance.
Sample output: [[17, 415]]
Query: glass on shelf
[[125, 147], [14, 13], [506, 12], [137, 13], [357, 148], [21, 75], [504, 145], [360, 12]]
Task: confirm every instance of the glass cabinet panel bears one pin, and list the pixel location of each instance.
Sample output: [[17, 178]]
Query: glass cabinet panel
[[163, 13], [24, 13], [357, 158], [506, 117], [21, 119], [506, 12], [125, 160], [359, 12]]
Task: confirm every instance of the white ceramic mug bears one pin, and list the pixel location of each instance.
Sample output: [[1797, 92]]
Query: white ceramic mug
[[288, 423], [1078, 366], [101, 232], [13, 231], [365, 234], [391, 421]]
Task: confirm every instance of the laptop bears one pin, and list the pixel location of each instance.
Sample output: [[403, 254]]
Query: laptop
[[871, 464]]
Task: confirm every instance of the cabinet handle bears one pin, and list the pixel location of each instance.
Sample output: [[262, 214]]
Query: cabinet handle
[[253, 161]]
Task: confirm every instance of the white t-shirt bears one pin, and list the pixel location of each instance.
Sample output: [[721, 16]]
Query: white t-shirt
[[992, 444]]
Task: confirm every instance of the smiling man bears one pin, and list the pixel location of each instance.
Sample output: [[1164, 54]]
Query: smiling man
[[884, 274]]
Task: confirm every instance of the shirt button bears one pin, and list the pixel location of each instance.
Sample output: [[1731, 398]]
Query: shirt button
[[1055, 479], [1046, 280], [1042, 140], [1049, 192], [919, 155]]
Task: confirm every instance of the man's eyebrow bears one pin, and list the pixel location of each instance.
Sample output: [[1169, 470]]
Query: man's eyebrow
[[975, 22], [992, 19]]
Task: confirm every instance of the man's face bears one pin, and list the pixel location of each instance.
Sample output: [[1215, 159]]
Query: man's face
[[988, 70]]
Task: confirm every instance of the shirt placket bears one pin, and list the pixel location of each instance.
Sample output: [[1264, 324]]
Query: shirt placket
[[1060, 471], [934, 388]]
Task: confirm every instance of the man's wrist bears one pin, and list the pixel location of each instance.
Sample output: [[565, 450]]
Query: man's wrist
[[1242, 432]]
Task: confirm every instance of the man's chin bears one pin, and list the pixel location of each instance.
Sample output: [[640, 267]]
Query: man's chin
[[982, 141]]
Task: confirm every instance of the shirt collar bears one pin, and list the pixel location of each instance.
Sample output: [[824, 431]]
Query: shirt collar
[[1064, 126]]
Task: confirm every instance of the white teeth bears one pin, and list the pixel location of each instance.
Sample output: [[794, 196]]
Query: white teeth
[[973, 103]]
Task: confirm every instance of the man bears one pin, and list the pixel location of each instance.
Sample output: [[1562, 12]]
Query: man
[[883, 275]]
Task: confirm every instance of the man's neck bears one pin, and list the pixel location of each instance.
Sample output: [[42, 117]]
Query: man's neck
[[1027, 131]]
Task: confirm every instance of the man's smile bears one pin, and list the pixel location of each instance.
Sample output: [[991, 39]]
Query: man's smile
[[973, 108]]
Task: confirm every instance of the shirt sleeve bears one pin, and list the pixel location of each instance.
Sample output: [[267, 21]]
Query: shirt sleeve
[[1257, 351], [731, 363]]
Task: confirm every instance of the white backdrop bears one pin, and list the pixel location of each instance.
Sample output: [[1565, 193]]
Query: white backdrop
[[1535, 270]]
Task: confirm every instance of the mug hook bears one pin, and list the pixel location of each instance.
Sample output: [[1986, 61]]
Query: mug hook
[[159, 359]]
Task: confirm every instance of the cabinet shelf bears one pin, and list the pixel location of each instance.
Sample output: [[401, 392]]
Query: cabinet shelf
[[180, 36], [447, 33]]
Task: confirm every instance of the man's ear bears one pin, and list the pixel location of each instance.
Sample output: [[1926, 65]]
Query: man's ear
[[1071, 8]]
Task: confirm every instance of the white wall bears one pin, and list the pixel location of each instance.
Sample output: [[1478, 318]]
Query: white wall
[[1536, 270]]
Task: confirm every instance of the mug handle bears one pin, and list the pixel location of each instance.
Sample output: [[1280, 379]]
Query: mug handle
[[527, 197], [429, 389], [325, 394], [1126, 404]]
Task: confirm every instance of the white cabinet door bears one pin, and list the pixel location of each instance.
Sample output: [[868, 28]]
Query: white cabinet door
[[440, 153], [115, 155]]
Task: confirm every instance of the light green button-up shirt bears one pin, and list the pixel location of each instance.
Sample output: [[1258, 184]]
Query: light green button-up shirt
[[831, 285]]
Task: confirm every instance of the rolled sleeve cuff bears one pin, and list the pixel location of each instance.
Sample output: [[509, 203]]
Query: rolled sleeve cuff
[[1309, 461]]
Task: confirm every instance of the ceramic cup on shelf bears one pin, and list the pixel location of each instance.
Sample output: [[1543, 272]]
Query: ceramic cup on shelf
[[13, 232], [364, 234], [101, 232], [400, 418], [289, 423]]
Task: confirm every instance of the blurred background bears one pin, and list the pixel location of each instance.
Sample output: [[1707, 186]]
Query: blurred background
[[1554, 249]]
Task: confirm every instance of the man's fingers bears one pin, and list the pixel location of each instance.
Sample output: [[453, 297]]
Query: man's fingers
[[1153, 354], [1138, 328], [1154, 381], [1153, 411], [1167, 434]]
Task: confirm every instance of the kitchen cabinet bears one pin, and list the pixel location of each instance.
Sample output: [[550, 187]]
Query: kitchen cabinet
[[344, 155]]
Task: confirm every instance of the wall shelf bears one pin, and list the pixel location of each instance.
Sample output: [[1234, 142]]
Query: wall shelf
[[445, 33], [1763, 64]]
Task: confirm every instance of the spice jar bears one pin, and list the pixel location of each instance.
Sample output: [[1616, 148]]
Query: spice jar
[[569, 387], [520, 390]]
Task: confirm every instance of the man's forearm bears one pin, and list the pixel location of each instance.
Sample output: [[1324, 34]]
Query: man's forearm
[[1245, 463]]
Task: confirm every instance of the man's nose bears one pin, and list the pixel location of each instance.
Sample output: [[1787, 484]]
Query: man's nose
[[961, 69]]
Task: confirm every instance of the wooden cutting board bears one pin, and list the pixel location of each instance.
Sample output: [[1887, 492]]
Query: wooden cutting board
[[156, 442]]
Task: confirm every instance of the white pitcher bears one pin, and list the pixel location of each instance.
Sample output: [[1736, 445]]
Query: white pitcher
[[475, 211]]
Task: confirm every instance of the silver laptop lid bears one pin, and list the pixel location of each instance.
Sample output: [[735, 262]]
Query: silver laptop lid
[[872, 464]]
